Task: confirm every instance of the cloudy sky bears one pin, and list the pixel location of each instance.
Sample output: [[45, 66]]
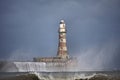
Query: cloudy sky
[[29, 28]]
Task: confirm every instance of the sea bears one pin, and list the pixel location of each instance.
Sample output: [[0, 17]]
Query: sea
[[80, 75], [40, 70]]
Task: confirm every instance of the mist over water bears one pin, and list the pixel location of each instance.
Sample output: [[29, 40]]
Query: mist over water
[[98, 57]]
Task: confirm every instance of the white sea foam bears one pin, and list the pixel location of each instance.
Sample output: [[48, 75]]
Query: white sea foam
[[23, 66], [33, 67], [84, 76], [30, 66], [65, 76]]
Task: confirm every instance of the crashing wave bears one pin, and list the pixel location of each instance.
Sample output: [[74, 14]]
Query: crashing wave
[[66, 76], [22, 66]]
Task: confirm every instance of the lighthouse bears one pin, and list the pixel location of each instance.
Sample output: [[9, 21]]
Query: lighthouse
[[62, 56], [62, 46]]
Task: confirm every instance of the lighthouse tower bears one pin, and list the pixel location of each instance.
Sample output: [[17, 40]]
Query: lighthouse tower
[[62, 46]]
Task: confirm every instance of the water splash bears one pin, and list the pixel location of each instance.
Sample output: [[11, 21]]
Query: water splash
[[34, 67], [30, 66], [65, 76], [23, 66], [84, 76]]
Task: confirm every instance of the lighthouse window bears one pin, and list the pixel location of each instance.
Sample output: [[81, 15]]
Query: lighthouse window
[[61, 40], [61, 48]]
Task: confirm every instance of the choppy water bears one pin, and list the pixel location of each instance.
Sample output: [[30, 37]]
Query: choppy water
[[10, 69], [65, 75]]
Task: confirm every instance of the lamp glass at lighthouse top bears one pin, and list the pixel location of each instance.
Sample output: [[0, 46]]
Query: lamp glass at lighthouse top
[[62, 24]]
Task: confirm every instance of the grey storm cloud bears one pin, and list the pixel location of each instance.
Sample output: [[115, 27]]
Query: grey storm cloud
[[29, 28]]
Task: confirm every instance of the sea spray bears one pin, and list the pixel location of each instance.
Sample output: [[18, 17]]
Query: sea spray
[[22, 66], [37, 74], [30, 66], [84, 76], [65, 75], [33, 67], [43, 76]]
